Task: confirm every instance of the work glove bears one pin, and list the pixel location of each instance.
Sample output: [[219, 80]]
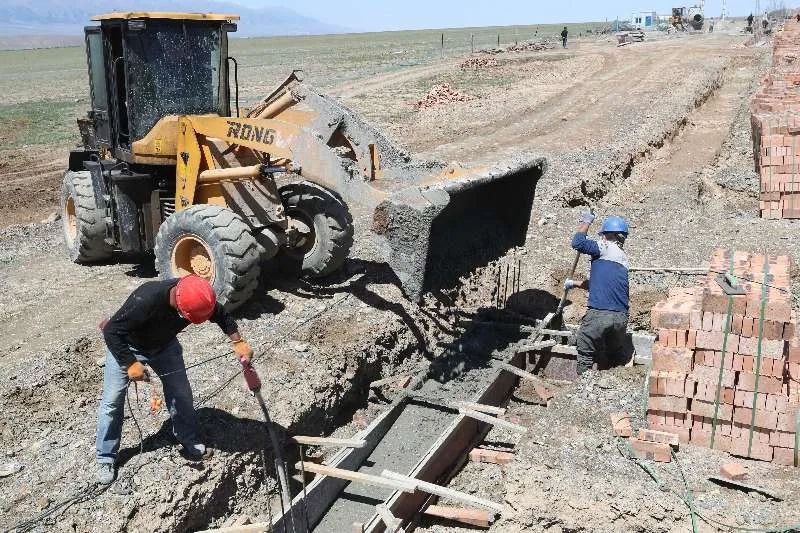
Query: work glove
[[243, 350], [569, 284], [587, 217], [137, 372]]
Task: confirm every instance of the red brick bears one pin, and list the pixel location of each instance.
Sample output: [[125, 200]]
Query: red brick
[[763, 419], [747, 381], [706, 409], [788, 421], [674, 404], [782, 439], [691, 339], [777, 402], [672, 359], [652, 435], [747, 326], [733, 471], [769, 348], [736, 324], [654, 451], [743, 362], [708, 321], [682, 433], [696, 319], [703, 438], [709, 374], [785, 456], [621, 424], [713, 340], [758, 450]]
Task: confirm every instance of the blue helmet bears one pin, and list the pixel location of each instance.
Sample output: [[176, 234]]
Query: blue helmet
[[614, 224]]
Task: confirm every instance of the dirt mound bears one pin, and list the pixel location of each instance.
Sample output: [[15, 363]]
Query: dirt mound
[[529, 46], [478, 63], [441, 94]]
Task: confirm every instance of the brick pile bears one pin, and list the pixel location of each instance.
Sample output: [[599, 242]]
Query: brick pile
[[478, 62], [689, 353], [441, 94], [775, 120]]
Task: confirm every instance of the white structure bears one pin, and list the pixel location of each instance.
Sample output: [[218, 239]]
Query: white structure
[[644, 19]]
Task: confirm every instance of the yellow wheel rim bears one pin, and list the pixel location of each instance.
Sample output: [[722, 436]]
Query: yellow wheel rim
[[70, 219], [191, 255]]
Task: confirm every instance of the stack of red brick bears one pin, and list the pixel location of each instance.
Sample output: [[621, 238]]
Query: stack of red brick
[[689, 353], [775, 119]]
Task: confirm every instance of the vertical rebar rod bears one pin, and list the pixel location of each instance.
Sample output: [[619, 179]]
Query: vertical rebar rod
[[505, 289]]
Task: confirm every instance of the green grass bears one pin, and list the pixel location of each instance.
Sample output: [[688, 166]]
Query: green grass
[[38, 123], [42, 92]]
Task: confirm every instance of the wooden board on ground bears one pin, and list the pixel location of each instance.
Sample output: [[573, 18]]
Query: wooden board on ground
[[472, 517]]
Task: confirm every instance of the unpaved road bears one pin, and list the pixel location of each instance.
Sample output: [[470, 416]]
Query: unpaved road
[[617, 127]]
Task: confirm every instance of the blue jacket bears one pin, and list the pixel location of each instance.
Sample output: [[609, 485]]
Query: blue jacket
[[608, 277]]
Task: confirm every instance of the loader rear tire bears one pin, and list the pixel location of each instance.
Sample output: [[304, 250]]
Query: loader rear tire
[[331, 225], [214, 243], [82, 221]]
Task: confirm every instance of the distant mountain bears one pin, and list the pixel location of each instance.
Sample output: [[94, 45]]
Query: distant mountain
[[67, 18]]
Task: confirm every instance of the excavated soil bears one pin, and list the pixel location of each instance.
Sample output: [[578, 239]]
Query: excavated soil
[[668, 148]]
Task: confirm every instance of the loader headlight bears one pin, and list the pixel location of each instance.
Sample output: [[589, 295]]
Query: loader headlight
[[136, 25]]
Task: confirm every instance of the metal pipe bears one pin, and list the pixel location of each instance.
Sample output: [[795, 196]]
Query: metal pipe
[[218, 174], [281, 104]]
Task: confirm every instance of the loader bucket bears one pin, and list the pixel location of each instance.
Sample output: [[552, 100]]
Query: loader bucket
[[440, 232]]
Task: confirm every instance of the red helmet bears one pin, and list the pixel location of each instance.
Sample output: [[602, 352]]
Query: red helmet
[[195, 299]]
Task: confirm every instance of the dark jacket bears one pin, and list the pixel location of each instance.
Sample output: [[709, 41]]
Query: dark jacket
[[148, 322]]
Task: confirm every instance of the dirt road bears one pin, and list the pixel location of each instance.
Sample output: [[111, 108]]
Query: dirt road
[[650, 131]]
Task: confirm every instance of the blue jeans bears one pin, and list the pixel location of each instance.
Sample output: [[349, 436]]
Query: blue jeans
[[177, 398]]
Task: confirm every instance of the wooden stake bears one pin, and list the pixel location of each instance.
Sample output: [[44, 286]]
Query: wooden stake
[[329, 442], [488, 419], [392, 523], [472, 517], [445, 492], [358, 477]]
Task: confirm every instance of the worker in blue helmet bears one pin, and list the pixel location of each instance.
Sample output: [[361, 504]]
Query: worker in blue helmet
[[602, 336]]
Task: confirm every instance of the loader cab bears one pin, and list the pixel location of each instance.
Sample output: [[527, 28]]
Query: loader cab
[[147, 65]]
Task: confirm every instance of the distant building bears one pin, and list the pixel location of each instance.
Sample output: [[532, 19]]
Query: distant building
[[644, 19]]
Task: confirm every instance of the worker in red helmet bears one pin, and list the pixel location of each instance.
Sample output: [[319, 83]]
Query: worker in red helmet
[[144, 332]]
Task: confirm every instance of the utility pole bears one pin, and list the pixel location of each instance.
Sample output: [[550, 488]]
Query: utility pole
[[724, 10]]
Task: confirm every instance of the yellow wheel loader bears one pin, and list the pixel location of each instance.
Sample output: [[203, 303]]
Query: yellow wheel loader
[[166, 167]]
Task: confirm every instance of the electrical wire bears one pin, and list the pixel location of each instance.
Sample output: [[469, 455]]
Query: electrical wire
[[688, 497]]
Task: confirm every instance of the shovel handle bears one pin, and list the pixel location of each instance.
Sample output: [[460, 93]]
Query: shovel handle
[[250, 376]]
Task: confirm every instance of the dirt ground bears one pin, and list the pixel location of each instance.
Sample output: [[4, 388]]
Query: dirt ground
[[657, 132]]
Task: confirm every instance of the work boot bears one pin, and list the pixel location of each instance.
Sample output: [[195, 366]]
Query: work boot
[[198, 452], [105, 473]]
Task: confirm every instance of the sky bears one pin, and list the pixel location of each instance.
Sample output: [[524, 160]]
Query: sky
[[383, 15]]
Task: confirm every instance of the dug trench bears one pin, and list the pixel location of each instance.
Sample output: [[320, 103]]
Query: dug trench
[[316, 377]]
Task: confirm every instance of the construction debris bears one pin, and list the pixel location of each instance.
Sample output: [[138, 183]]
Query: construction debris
[[733, 471], [478, 63], [441, 94], [629, 37], [725, 367], [621, 424], [531, 46], [484, 455]]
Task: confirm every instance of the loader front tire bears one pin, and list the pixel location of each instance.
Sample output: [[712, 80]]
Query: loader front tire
[[325, 248], [82, 221], [214, 243]]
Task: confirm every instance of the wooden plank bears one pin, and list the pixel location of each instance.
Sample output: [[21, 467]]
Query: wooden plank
[[499, 422], [457, 405], [538, 385], [481, 408], [472, 517], [263, 527], [358, 477], [329, 442], [445, 492], [496, 457], [392, 523]]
